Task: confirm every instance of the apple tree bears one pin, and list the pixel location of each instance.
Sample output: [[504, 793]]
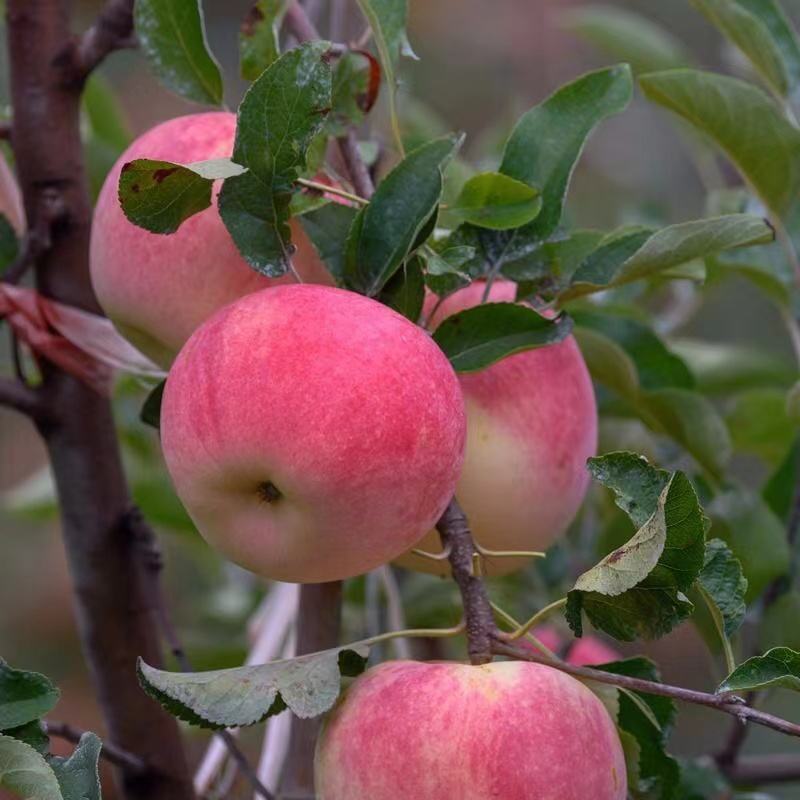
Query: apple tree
[[382, 371]]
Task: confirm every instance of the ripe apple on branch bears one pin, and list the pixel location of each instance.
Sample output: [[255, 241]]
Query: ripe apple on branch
[[380, 356]]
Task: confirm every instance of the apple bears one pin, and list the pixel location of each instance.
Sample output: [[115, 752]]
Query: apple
[[531, 426], [511, 730], [312, 433], [158, 288], [584, 652]]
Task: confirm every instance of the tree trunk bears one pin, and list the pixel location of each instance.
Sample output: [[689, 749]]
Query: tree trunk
[[115, 616]]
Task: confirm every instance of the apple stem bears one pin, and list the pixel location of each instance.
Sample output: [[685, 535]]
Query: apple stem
[[537, 618], [457, 538]]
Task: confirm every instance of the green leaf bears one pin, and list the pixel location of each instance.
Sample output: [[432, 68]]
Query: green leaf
[[630, 255], [159, 195], [636, 484], [742, 121], [405, 291], [386, 230], [676, 521], [278, 118], [779, 626], [755, 536], [493, 200], [307, 685], [151, 408], [627, 36], [105, 130], [24, 696], [387, 19], [693, 422], [685, 416], [751, 36], [552, 260], [700, 780], [656, 365], [721, 368], [356, 82], [777, 667], [547, 141], [9, 246], [648, 719], [778, 491], [770, 13], [724, 582], [760, 426], [638, 589], [173, 38], [25, 773], [258, 37], [78, 775], [105, 114], [443, 274], [477, 337], [33, 734], [327, 227]]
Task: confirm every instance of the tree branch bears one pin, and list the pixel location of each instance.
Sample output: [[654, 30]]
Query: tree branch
[[457, 539], [730, 704], [113, 30], [15, 394], [760, 770], [152, 565], [132, 764]]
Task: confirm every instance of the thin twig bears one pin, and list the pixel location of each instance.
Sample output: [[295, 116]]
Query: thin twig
[[455, 534], [152, 563], [15, 394], [359, 174], [113, 30], [759, 770], [130, 763], [303, 28], [729, 704], [39, 238]]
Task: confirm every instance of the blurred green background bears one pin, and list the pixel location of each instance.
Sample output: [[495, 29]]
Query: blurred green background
[[481, 64]]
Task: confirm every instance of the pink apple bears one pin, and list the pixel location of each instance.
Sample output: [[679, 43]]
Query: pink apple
[[443, 731], [590, 650], [158, 288], [312, 433], [531, 425], [583, 652]]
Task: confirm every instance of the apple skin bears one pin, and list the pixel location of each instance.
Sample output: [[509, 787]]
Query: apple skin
[[511, 730], [348, 409], [158, 288], [531, 426]]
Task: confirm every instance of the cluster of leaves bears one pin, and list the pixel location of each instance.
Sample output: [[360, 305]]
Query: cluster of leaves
[[26, 766]]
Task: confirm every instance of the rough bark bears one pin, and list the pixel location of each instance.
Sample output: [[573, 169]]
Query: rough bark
[[114, 614]]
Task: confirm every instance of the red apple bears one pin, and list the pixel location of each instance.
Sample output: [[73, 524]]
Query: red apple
[[531, 426], [158, 288], [312, 433], [443, 731]]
